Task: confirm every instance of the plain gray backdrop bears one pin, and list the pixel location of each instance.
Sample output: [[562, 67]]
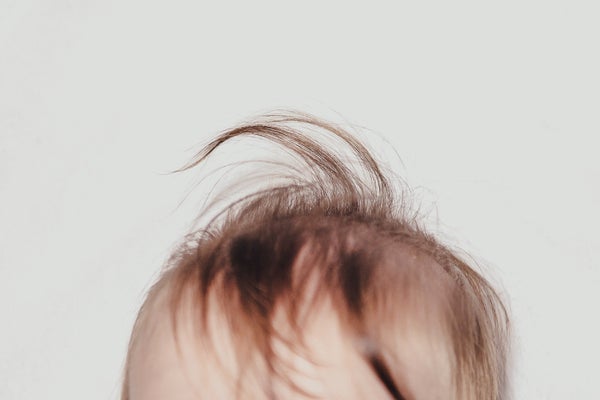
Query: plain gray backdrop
[[493, 108]]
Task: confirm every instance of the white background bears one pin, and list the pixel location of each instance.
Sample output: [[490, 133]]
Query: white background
[[492, 106]]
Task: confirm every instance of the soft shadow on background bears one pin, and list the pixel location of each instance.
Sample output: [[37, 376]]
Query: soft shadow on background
[[493, 109]]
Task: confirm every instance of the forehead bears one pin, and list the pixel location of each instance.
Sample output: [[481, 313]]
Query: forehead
[[179, 365]]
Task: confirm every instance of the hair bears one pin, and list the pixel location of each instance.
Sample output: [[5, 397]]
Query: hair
[[336, 229]]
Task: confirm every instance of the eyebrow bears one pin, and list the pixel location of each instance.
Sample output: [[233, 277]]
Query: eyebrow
[[383, 373]]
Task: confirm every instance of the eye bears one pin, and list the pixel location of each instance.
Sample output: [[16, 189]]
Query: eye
[[383, 373]]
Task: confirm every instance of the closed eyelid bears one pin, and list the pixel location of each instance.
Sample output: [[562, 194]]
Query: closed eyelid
[[383, 373]]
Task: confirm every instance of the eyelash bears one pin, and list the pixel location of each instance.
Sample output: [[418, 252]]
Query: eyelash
[[385, 377]]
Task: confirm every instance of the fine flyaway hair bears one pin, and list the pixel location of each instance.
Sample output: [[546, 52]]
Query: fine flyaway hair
[[327, 224]]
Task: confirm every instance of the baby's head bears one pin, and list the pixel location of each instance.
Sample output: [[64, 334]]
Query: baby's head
[[321, 287]]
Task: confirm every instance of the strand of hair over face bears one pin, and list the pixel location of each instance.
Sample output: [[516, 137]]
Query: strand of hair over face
[[353, 218]]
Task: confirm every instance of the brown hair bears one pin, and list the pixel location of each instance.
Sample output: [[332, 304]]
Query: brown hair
[[338, 229]]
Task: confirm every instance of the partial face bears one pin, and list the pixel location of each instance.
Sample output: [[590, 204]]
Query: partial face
[[332, 366]]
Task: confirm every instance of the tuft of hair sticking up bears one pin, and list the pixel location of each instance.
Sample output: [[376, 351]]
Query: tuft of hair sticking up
[[336, 228]]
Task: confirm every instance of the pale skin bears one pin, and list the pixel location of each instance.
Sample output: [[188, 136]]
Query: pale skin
[[336, 371], [162, 366]]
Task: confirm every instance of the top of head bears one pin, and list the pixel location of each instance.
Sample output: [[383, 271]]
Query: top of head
[[325, 269]]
